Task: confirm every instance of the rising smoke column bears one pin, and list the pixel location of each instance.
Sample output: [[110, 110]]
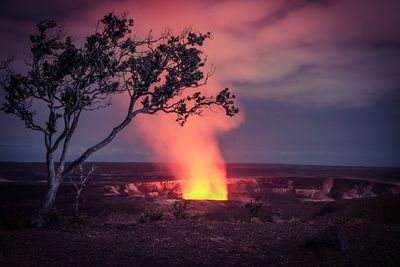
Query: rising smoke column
[[193, 149]]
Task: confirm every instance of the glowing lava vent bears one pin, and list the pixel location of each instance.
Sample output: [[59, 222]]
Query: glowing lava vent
[[205, 181]]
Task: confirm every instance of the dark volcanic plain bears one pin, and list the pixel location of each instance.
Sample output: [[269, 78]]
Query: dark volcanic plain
[[276, 215]]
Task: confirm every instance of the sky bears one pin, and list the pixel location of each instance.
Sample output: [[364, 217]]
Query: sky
[[318, 81]]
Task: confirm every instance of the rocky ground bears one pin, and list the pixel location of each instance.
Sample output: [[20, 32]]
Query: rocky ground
[[198, 243], [267, 230]]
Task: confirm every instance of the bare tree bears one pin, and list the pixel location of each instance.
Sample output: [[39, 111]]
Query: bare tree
[[162, 74], [80, 185]]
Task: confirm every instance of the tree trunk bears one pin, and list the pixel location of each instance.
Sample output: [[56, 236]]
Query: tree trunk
[[40, 219], [51, 172]]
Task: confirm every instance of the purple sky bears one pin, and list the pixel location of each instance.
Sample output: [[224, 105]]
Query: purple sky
[[318, 81]]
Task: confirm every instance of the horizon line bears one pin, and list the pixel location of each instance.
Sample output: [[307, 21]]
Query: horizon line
[[227, 163]]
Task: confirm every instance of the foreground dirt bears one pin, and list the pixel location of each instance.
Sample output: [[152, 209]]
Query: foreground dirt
[[285, 230], [197, 243], [285, 233]]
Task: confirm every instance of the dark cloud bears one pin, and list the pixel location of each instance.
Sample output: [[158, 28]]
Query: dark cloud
[[34, 11], [262, 43], [287, 9]]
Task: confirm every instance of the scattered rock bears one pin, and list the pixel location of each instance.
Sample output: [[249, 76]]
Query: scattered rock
[[276, 216]]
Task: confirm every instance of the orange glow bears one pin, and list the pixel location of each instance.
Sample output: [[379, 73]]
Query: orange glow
[[207, 181], [205, 189], [199, 163]]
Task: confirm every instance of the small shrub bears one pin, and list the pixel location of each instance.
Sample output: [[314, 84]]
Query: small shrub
[[75, 220], [56, 218], [181, 208], [253, 207], [151, 216], [276, 216]]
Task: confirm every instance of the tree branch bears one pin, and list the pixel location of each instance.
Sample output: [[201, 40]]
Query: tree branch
[[130, 115]]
